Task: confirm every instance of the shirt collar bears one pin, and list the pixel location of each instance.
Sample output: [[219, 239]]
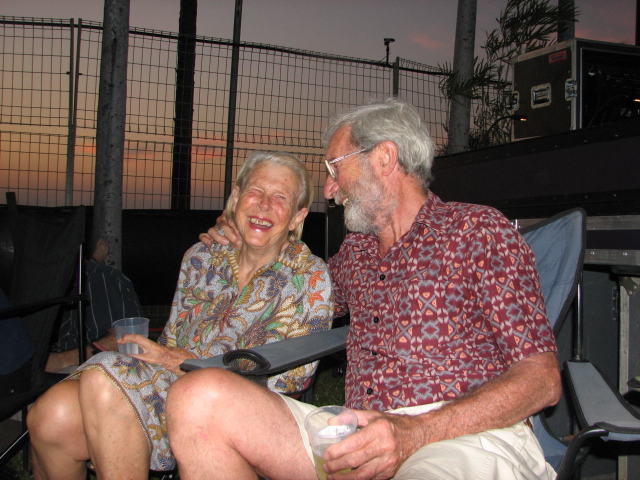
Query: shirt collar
[[429, 207]]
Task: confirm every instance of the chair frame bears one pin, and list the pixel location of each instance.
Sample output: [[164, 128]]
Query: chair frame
[[39, 380], [271, 359]]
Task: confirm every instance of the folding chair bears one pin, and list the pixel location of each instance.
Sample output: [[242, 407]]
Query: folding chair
[[277, 357], [47, 248], [558, 244], [600, 410]]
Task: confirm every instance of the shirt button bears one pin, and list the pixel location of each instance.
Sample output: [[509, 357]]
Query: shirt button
[[369, 391], [374, 353], [376, 319], [383, 276]]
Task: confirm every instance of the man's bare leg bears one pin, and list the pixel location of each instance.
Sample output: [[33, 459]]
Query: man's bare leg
[[57, 361], [224, 426]]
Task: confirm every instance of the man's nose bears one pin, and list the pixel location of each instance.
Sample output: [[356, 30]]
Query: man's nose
[[330, 187]]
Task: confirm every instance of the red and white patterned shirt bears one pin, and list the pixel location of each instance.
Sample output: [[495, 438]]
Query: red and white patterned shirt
[[453, 303]]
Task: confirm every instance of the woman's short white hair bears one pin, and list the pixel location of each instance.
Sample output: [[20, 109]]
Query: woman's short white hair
[[293, 163]]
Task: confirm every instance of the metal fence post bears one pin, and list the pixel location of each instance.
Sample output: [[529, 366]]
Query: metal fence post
[[396, 77], [68, 186], [183, 127], [233, 91], [74, 75]]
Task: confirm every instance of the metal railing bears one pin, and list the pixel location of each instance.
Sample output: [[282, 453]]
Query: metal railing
[[49, 97]]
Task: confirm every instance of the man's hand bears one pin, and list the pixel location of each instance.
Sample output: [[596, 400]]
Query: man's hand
[[224, 232], [377, 450], [386, 440]]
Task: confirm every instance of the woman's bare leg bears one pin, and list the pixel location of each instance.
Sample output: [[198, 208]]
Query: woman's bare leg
[[224, 426], [58, 444], [116, 441]]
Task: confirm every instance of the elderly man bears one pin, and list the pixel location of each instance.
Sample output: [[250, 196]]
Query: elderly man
[[449, 348]]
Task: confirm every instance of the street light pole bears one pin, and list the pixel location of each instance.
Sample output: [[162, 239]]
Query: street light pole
[[387, 41]]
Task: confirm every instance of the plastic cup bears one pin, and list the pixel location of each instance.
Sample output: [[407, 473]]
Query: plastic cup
[[124, 326], [327, 426]]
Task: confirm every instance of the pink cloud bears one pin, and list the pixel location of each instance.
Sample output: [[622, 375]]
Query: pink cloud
[[599, 21], [427, 42]]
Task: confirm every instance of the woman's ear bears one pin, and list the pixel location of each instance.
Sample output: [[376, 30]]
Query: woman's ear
[[299, 216], [235, 194]]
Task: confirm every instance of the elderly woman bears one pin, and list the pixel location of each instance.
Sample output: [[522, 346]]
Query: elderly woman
[[111, 411]]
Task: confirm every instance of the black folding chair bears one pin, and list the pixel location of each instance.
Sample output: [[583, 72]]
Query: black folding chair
[[47, 247]]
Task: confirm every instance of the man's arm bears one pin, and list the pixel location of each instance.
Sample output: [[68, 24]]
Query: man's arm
[[387, 440]]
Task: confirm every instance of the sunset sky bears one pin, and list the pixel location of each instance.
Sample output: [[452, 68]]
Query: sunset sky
[[424, 30]]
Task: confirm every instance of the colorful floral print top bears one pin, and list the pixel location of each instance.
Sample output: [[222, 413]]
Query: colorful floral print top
[[290, 297], [287, 298]]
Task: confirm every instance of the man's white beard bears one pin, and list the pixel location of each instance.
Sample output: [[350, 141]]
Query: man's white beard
[[359, 219], [367, 206]]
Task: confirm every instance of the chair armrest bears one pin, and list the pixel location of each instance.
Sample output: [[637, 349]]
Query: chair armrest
[[279, 356], [29, 308], [599, 404]]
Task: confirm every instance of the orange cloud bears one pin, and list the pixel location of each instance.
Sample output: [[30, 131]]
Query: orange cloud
[[427, 42], [599, 21]]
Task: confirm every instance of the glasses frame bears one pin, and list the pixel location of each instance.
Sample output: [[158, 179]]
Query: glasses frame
[[329, 163]]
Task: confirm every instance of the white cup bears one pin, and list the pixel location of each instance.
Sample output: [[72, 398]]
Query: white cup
[[124, 326], [327, 426]]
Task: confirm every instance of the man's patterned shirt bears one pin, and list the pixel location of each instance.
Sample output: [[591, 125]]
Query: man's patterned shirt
[[453, 303]]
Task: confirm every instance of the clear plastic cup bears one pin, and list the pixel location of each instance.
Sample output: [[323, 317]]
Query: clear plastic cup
[[327, 426], [124, 326]]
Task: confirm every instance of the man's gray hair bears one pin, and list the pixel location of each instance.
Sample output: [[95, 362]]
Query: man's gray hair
[[390, 120]]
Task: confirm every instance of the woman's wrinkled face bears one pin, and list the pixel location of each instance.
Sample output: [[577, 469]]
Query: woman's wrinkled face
[[265, 208]]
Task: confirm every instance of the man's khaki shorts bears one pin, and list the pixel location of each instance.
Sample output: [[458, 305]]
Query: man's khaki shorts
[[511, 453]]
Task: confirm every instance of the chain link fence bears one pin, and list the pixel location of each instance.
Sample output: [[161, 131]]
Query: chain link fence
[[49, 96]]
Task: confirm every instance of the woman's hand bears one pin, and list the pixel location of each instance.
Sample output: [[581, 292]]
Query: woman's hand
[[224, 232], [168, 357]]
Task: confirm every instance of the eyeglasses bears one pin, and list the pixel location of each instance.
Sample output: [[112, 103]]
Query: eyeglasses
[[329, 163]]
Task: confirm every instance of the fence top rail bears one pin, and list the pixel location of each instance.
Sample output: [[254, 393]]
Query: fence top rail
[[414, 66], [259, 46], [45, 22], [411, 66]]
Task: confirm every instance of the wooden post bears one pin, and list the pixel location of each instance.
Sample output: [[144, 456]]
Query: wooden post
[[112, 97], [460, 111]]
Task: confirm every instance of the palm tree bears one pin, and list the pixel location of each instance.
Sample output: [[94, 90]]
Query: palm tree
[[523, 26]]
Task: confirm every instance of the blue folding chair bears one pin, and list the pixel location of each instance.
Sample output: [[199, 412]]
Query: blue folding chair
[[558, 244]]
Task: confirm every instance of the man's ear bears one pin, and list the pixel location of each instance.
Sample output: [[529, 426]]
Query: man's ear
[[388, 157]]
